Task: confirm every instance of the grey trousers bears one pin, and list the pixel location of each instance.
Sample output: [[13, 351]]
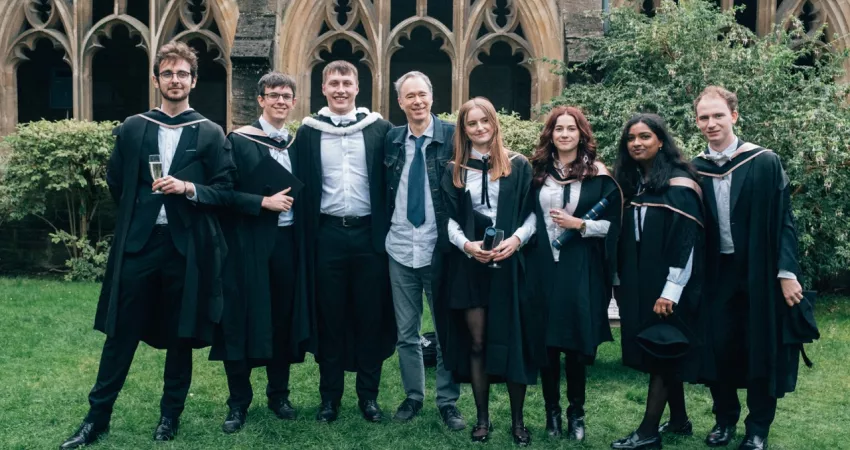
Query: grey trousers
[[407, 285]]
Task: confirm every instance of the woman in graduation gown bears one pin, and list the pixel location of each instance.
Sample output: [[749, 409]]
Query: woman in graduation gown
[[660, 273], [573, 284], [486, 337]]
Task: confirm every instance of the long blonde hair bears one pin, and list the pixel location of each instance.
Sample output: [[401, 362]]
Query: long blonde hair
[[500, 163]]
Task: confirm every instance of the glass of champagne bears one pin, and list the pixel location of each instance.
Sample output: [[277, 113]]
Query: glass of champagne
[[155, 164], [497, 239], [556, 201]]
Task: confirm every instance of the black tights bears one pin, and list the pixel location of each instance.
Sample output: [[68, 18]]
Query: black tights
[[476, 321], [664, 389]]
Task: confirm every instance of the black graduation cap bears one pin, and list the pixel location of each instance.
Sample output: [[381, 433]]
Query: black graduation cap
[[801, 328], [665, 338]]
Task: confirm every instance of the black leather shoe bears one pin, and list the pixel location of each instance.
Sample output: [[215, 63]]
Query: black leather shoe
[[686, 429], [86, 434], [283, 409], [371, 411], [452, 417], [166, 429], [554, 422], [408, 409], [720, 435], [521, 435], [753, 442], [634, 442], [235, 420], [328, 412], [575, 428], [476, 434]]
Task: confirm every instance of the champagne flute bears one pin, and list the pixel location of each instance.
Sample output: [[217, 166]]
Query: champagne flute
[[556, 201], [155, 164], [497, 239]]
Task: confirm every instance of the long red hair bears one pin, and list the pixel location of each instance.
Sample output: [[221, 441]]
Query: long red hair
[[500, 164]]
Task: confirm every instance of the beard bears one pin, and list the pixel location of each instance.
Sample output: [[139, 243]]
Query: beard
[[175, 98]]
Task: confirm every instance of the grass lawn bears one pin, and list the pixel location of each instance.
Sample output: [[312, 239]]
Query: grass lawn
[[49, 356]]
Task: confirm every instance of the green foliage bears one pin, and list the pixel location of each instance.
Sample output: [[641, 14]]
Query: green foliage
[[520, 135], [660, 65], [62, 162]]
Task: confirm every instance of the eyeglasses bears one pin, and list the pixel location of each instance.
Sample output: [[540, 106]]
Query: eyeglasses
[[274, 96], [181, 75]]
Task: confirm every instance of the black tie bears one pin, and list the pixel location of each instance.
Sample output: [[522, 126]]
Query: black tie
[[416, 185]]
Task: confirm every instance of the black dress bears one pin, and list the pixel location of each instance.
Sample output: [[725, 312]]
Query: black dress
[[468, 284], [576, 290], [672, 228]]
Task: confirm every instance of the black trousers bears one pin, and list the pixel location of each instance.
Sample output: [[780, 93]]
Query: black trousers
[[732, 355], [350, 277], [576, 373], [282, 274], [154, 273]]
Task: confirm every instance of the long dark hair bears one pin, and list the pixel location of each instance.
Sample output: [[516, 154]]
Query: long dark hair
[[668, 158], [545, 152]]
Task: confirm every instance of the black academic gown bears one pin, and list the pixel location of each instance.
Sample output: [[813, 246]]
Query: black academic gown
[[203, 158], [576, 292], [249, 328], [765, 241], [513, 342], [309, 170], [672, 227]]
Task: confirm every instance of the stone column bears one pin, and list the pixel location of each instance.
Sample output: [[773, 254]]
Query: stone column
[[251, 57]]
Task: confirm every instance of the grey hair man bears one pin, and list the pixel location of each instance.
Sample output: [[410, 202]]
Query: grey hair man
[[415, 155]]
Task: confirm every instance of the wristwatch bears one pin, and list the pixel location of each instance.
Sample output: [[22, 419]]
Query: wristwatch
[[582, 228]]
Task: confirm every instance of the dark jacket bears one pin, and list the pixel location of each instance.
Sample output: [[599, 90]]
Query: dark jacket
[[437, 154], [202, 157], [249, 328]]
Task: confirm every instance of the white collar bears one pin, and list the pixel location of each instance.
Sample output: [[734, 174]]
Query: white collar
[[349, 117], [269, 128], [429, 132], [371, 117], [728, 151], [169, 115]]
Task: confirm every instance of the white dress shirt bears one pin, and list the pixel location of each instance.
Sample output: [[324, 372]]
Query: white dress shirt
[[473, 186], [723, 196], [552, 196], [166, 141], [412, 246], [345, 174], [285, 219], [723, 193]]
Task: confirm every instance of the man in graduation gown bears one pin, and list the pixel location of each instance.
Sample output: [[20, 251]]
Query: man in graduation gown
[[416, 155], [340, 160], [267, 318], [751, 273], [162, 282]]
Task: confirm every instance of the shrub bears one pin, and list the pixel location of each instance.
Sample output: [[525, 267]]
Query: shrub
[[787, 104], [64, 160]]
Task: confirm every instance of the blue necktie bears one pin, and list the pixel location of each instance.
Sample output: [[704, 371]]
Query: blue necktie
[[416, 185]]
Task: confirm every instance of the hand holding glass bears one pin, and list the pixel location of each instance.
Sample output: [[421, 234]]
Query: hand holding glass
[[500, 236], [155, 165]]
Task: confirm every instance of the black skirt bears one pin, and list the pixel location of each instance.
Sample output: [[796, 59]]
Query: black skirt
[[469, 284]]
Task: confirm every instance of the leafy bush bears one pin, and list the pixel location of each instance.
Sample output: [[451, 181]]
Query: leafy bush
[[520, 135], [789, 102], [64, 160]]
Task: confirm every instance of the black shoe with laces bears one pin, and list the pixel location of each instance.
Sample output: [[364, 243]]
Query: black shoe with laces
[[166, 429], [87, 433], [452, 417], [283, 409], [408, 409], [235, 420]]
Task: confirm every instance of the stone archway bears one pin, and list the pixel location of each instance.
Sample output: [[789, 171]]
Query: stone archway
[[368, 26]]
